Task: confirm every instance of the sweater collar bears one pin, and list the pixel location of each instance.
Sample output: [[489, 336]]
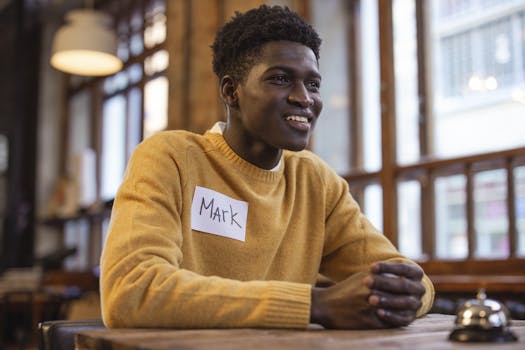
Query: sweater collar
[[248, 168], [218, 128]]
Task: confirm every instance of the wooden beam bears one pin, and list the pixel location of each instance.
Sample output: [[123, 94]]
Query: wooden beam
[[388, 120], [355, 84], [424, 77], [428, 222], [471, 234], [177, 44], [507, 267], [511, 208], [203, 86], [470, 284]]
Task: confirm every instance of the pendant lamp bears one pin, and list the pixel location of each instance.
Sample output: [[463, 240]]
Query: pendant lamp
[[86, 45]]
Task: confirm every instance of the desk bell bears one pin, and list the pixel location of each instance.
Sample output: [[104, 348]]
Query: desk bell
[[482, 320]]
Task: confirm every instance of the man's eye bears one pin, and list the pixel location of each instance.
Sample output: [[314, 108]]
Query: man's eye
[[313, 85], [279, 79]]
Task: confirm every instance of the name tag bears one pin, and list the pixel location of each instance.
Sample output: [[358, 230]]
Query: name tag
[[213, 212]]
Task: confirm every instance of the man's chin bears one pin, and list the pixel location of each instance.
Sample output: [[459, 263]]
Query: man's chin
[[296, 147]]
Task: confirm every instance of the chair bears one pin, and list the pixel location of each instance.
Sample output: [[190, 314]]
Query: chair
[[60, 334]]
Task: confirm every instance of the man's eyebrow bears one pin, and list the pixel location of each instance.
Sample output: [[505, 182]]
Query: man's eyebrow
[[291, 70]]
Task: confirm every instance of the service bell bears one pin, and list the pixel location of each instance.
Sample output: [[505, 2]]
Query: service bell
[[482, 320]]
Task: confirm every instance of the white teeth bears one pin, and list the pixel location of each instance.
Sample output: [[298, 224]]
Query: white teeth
[[297, 118]]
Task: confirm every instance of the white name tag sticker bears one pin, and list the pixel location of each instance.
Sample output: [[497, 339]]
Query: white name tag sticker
[[215, 213]]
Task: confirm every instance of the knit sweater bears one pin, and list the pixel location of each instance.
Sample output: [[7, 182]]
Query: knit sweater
[[252, 252]]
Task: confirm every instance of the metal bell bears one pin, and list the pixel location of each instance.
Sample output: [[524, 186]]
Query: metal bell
[[482, 320]]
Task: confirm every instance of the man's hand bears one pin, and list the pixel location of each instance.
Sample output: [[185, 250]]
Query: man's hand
[[388, 295], [396, 292]]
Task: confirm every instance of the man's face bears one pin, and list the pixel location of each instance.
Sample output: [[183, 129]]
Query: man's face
[[279, 101]]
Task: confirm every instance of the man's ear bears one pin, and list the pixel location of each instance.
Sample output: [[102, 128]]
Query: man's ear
[[228, 90]]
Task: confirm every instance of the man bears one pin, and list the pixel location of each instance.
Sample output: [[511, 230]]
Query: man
[[231, 228]]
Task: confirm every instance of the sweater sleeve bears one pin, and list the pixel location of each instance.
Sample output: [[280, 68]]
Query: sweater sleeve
[[142, 283], [352, 243]]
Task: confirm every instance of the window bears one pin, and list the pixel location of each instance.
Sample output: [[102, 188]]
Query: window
[[424, 105], [407, 100], [445, 181], [331, 141], [479, 76], [135, 99], [451, 222], [155, 106], [113, 146], [491, 215], [109, 116]]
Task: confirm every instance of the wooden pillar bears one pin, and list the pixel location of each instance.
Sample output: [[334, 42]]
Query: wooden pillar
[[356, 83], [388, 121], [177, 44], [203, 87]]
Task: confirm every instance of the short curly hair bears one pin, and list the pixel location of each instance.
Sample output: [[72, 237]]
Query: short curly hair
[[238, 43]]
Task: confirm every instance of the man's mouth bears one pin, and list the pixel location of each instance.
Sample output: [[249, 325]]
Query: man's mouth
[[297, 118], [298, 122]]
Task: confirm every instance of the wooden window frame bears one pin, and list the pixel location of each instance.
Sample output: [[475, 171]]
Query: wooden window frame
[[94, 86], [502, 275]]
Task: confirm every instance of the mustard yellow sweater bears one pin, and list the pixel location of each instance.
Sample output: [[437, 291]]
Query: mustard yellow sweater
[[299, 220]]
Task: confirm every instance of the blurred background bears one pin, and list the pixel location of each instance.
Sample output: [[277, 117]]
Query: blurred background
[[424, 116]]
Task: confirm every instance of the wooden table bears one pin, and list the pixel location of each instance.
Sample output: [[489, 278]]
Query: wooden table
[[429, 332]]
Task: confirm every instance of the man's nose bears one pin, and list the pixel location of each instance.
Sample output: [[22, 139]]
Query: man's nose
[[299, 95]]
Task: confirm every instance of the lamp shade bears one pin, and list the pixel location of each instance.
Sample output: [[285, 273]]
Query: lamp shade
[[86, 45]]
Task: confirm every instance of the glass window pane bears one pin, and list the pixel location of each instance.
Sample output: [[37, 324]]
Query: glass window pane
[[409, 206], [137, 18], [79, 122], [331, 135], [123, 40], [156, 62], [451, 8], [121, 80], [478, 76], [491, 214], [519, 176], [113, 146], [370, 89], [373, 208], [451, 219], [407, 101], [155, 106], [76, 235], [135, 73], [109, 85], [523, 49], [136, 23], [116, 82], [81, 162], [136, 45], [155, 31], [500, 61], [134, 119]]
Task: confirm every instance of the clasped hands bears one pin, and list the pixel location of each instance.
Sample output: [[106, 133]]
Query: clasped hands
[[387, 295]]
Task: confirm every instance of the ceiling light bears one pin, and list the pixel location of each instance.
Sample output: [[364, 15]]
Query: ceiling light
[[86, 45]]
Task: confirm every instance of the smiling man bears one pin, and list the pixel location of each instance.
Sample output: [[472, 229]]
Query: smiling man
[[231, 228]]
